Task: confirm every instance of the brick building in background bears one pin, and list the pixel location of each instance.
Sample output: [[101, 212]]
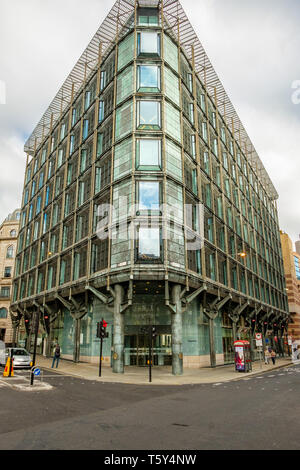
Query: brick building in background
[[8, 244], [291, 260]]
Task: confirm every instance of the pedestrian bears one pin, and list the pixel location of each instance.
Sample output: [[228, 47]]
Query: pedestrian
[[56, 355], [267, 356], [273, 356]]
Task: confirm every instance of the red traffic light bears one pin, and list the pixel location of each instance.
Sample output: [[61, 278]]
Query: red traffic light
[[46, 317], [26, 320], [104, 323]]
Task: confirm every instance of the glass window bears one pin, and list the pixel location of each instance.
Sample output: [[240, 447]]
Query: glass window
[[7, 271], [87, 99], [148, 17], [149, 43], [149, 244], [148, 115], [148, 154], [10, 252], [85, 129], [83, 160], [149, 195], [148, 78], [102, 80], [101, 111], [3, 312]]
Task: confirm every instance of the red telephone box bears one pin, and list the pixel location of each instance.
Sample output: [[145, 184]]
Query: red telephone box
[[242, 356]]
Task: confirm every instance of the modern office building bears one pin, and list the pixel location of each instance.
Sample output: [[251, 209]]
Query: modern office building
[[8, 245], [145, 203], [291, 262]]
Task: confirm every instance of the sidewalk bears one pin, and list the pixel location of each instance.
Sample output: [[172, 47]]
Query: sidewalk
[[160, 375]]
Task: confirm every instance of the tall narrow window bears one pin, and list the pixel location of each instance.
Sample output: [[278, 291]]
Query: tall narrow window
[[193, 145], [98, 179], [83, 160], [74, 116], [87, 99], [101, 111], [72, 144], [62, 131], [102, 80], [85, 131], [10, 252], [204, 131]]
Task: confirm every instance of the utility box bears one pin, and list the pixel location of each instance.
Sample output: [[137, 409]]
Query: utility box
[[242, 356]]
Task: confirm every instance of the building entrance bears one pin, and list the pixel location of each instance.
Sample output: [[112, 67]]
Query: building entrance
[[2, 334], [136, 349]]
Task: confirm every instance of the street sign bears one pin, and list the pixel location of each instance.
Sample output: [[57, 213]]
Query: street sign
[[258, 336], [259, 343], [37, 371]]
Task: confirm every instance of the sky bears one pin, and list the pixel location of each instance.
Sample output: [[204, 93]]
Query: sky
[[253, 45]]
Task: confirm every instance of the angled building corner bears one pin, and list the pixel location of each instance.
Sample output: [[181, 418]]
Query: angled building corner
[[145, 203]]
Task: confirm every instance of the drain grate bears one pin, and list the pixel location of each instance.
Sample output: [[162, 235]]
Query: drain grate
[[180, 424]]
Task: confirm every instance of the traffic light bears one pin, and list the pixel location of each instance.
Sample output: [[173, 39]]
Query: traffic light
[[265, 327], [101, 329], [153, 332], [253, 326]]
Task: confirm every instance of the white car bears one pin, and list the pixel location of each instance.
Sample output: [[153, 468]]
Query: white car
[[21, 358]]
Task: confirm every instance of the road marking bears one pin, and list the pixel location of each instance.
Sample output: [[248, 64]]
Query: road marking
[[271, 375], [220, 383]]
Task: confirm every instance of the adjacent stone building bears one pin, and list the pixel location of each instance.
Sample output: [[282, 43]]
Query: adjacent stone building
[[8, 244], [146, 204], [291, 261]]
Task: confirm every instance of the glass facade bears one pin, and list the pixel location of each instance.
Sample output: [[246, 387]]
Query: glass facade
[[144, 131]]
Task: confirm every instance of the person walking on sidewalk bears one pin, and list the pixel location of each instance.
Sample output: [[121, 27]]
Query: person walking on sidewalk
[[56, 355], [273, 356], [267, 356]]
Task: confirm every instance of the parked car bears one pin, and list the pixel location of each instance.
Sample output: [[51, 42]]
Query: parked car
[[21, 358]]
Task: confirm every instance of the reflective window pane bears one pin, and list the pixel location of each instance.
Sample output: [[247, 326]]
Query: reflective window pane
[[148, 78], [148, 115], [149, 195], [149, 154], [149, 43], [149, 244]]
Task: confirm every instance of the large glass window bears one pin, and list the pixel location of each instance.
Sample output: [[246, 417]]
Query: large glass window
[[149, 43], [148, 78], [148, 17], [148, 115], [148, 195], [149, 245], [148, 154]]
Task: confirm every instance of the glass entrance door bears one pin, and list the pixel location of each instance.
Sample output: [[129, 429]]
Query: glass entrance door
[[137, 350]]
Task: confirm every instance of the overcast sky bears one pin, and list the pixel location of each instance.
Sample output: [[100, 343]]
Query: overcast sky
[[253, 44]]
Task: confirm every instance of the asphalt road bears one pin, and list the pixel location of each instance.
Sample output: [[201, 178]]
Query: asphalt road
[[261, 413]]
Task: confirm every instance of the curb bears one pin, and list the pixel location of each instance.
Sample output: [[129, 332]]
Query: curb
[[98, 379]]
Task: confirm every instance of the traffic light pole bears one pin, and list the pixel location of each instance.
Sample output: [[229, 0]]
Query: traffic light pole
[[37, 322], [100, 363], [150, 354]]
